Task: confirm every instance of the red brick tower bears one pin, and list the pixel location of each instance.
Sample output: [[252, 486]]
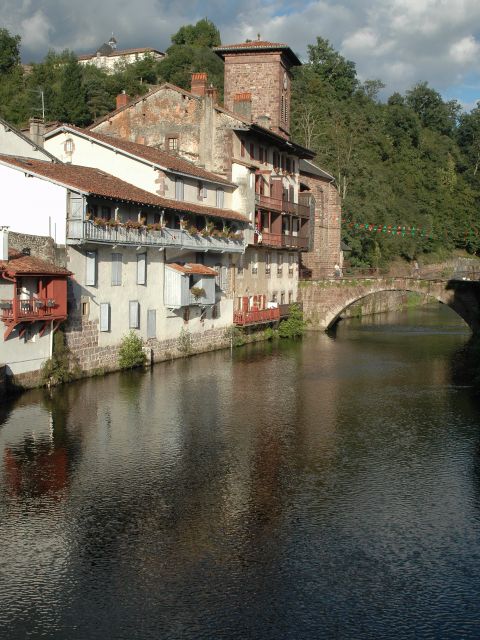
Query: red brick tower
[[263, 70]]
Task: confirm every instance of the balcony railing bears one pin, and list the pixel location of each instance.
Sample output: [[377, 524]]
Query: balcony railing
[[87, 231], [30, 309], [256, 316], [276, 204], [281, 240]]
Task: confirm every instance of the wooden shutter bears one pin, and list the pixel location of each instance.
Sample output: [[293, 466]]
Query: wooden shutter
[[151, 323], [104, 316], [91, 268], [134, 311], [116, 269], [141, 268]]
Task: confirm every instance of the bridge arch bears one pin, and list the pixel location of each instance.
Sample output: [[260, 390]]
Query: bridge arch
[[324, 301]]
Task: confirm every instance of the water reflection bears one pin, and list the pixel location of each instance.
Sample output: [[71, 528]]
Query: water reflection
[[326, 488]]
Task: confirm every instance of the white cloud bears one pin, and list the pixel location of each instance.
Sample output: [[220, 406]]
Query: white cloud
[[399, 41]]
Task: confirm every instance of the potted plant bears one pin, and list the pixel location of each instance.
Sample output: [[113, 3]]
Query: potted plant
[[51, 303], [197, 292], [5, 305]]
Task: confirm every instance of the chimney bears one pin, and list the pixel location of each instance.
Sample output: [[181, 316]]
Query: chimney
[[242, 104], [3, 243], [212, 92], [37, 131], [122, 99], [264, 121], [199, 84]]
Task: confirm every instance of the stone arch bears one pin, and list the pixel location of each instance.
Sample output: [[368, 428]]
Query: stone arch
[[324, 302]]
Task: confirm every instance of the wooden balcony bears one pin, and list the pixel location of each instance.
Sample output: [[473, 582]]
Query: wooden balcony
[[86, 231], [283, 206], [30, 310], [283, 240], [256, 316]]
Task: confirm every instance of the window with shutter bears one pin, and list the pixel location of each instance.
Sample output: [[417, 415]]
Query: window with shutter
[[104, 316], [151, 323], [179, 184], [223, 278], [220, 194], [134, 309], [142, 268], [91, 268], [116, 269]]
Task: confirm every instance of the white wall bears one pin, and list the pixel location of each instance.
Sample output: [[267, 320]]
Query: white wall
[[11, 144], [89, 153], [150, 296], [32, 205]]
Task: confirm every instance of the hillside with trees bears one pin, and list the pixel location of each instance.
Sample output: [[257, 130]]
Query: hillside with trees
[[408, 168]]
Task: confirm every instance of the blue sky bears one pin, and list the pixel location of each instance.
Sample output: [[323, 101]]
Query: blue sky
[[399, 41]]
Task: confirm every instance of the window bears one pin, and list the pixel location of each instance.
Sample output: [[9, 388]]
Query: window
[[224, 278], [179, 186], [116, 269], [91, 268], [289, 165], [255, 263], [280, 264], [201, 191], [241, 265], [260, 155], [252, 151], [282, 297], [104, 316], [151, 323], [290, 297], [142, 268], [172, 143], [268, 259], [220, 198], [291, 262], [276, 159], [69, 146], [134, 314]]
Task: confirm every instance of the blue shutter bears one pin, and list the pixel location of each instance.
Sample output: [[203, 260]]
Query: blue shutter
[[104, 316], [151, 323], [142, 268], [116, 269], [134, 313], [91, 268]]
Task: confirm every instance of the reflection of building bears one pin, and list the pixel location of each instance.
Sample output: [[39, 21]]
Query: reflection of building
[[33, 303], [108, 57]]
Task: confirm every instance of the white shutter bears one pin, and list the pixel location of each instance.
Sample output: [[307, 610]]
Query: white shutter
[[151, 323], [179, 189], [91, 268], [220, 198], [142, 268], [104, 316], [223, 278], [134, 314], [116, 269]]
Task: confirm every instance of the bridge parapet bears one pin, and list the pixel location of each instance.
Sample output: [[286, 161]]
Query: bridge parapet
[[325, 300]]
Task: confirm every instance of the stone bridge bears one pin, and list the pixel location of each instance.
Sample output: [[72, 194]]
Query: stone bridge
[[325, 300]]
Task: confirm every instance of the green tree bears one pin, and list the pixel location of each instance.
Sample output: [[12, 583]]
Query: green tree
[[72, 99], [202, 34], [339, 72], [9, 51]]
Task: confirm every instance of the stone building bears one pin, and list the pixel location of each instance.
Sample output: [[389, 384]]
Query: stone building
[[247, 143]]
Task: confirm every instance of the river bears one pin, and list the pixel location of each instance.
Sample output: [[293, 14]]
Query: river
[[327, 488]]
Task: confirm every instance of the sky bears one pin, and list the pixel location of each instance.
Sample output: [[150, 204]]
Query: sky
[[401, 42]]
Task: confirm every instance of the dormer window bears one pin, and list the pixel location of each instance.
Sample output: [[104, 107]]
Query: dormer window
[[68, 146]]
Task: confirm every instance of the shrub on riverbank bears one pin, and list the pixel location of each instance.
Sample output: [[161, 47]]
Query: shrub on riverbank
[[131, 352], [61, 367], [294, 326]]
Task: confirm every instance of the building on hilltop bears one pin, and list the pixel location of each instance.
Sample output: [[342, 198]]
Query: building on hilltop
[[108, 57]]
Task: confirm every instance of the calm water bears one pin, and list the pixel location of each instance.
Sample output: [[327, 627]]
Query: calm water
[[323, 489]]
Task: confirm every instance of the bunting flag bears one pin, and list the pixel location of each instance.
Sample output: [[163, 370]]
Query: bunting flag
[[389, 229]]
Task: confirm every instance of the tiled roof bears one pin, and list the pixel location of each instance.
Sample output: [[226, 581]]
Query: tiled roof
[[19, 264], [258, 45], [160, 158], [93, 181], [123, 52], [192, 267]]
